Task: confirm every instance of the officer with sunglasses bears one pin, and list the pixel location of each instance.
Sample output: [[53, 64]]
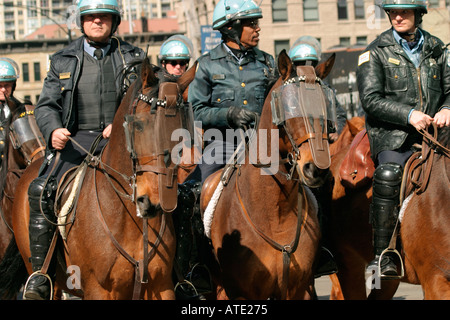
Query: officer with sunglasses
[[175, 54], [228, 92]]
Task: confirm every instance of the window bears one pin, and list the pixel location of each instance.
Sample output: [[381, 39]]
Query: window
[[433, 3], [279, 11], [361, 40], [344, 41], [310, 10], [342, 9], [359, 9], [25, 72], [279, 45], [37, 71]]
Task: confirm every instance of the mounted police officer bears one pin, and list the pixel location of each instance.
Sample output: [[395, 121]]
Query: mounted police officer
[[175, 54], [231, 81], [228, 91], [79, 99], [9, 73], [404, 85]]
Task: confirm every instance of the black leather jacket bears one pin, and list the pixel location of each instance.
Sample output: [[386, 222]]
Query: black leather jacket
[[390, 86], [55, 108]]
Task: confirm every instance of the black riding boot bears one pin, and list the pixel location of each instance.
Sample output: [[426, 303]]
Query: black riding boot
[[384, 213], [41, 232], [188, 196], [326, 264], [188, 226]]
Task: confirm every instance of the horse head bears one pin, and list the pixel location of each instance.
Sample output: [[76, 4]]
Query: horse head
[[299, 111], [25, 136], [157, 111]]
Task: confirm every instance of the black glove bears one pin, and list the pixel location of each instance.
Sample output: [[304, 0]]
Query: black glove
[[239, 118]]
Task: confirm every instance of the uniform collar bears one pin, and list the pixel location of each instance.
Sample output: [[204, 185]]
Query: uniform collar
[[404, 43], [90, 49], [221, 51]]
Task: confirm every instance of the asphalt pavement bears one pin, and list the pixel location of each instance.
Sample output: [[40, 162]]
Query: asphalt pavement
[[405, 291]]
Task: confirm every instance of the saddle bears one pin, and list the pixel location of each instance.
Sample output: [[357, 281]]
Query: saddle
[[358, 167]]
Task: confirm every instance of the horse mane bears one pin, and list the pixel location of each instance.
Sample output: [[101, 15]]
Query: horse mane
[[134, 67]]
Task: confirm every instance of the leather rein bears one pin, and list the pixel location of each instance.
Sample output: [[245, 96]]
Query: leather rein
[[141, 265]]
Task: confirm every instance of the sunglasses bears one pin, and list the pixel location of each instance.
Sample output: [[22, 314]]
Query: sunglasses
[[251, 23], [174, 63]]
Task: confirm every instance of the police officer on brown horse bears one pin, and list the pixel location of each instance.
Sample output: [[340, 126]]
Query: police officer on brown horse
[[79, 100], [404, 86]]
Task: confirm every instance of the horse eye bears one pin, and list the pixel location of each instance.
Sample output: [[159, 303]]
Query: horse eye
[[139, 126]]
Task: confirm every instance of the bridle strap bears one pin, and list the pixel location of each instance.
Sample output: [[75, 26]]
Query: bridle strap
[[286, 250]]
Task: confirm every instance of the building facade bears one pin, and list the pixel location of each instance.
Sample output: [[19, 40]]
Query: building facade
[[338, 24]]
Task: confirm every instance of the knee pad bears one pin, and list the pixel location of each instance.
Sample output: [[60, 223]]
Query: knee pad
[[40, 186], [387, 180]]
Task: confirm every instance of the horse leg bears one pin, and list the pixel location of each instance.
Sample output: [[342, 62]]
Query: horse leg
[[386, 291], [436, 287], [336, 290], [351, 276]]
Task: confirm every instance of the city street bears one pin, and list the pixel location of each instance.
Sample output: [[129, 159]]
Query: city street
[[405, 291]]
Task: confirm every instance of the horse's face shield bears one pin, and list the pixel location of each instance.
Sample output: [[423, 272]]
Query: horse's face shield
[[139, 132], [143, 140], [26, 136], [304, 97], [288, 102]]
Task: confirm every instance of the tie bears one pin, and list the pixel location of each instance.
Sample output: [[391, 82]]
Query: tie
[[2, 113], [98, 54]]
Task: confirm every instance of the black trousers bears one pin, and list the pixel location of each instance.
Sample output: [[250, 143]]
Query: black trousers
[[72, 155]]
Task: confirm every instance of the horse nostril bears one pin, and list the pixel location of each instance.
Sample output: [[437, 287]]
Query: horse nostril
[[311, 171], [144, 208], [314, 177]]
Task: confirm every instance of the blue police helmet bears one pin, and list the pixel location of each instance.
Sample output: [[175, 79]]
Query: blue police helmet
[[230, 10]]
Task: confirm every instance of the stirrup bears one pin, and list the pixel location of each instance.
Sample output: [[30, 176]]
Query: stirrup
[[38, 272], [185, 292], [402, 270]]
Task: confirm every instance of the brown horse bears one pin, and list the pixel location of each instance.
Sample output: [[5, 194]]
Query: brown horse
[[424, 230], [121, 242], [18, 156], [265, 232], [352, 234], [350, 231]]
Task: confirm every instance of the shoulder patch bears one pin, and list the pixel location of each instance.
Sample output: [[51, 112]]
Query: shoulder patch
[[364, 57]]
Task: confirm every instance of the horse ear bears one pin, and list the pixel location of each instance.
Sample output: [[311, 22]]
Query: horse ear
[[324, 69], [12, 105], [187, 77], [148, 76], [284, 65]]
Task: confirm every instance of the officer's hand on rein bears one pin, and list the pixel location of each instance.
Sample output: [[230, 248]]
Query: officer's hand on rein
[[420, 120], [59, 138], [239, 118]]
